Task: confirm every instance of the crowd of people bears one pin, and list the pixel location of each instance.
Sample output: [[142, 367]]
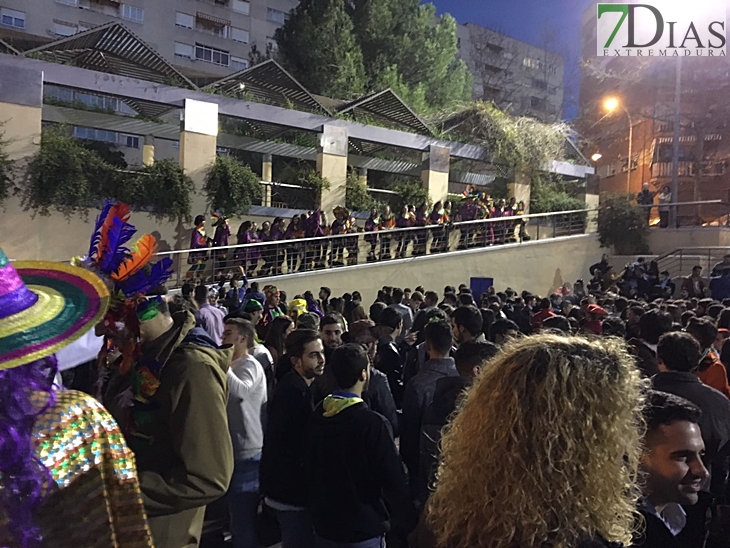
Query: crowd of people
[[272, 258], [577, 419]]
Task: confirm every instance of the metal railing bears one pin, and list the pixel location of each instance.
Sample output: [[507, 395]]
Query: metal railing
[[276, 258], [690, 214], [680, 262]]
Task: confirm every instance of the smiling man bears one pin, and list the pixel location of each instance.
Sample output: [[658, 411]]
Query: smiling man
[[674, 474]]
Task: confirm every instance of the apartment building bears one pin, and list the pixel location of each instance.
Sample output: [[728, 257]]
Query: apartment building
[[520, 78], [202, 38]]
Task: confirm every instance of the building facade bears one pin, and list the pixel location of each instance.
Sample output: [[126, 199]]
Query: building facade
[[645, 90], [201, 38], [520, 78]]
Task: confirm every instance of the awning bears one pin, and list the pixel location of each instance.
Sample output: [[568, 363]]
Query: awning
[[113, 49], [213, 19], [386, 107]]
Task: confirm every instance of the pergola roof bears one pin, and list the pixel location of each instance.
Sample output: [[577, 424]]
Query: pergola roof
[[7, 48], [269, 83], [385, 107], [114, 49]]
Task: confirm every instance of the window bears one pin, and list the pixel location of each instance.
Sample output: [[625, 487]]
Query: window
[[184, 20], [12, 18], [93, 134], [68, 2], [85, 26], [539, 84], [129, 141], [239, 35], [537, 103], [539, 65], [133, 13], [275, 16], [61, 28], [239, 6], [238, 64], [212, 55], [183, 50]]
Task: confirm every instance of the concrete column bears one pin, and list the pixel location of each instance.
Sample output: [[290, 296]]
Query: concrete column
[[198, 142], [362, 174], [332, 165], [148, 151], [267, 169], [520, 189], [21, 102], [435, 172]]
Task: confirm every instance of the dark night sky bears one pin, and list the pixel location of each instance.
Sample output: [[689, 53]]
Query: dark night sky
[[528, 20]]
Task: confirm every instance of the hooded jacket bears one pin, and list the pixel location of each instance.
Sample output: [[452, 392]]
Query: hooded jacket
[[186, 460], [353, 470]]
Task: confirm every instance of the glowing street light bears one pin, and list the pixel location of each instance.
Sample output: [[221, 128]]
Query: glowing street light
[[597, 156], [611, 104]]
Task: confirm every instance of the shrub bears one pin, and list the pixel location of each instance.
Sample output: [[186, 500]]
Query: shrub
[[231, 187], [622, 224]]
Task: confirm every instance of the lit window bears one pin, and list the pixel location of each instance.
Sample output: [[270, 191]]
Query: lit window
[[239, 6], [184, 20], [238, 64], [133, 13], [239, 35], [183, 50], [12, 18], [212, 55], [275, 16], [61, 28]]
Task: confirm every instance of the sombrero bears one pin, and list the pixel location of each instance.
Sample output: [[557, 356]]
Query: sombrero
[[45, 306]]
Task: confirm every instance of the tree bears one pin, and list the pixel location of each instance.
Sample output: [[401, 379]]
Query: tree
[[256, 56], [230, 186], [6, 171], [410, 192], [357, 197], [622, 224], [549, 193], [167, 191], [384, 43], [317, 44]]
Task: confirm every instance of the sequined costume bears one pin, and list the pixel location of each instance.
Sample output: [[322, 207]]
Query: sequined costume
[[94, 500]]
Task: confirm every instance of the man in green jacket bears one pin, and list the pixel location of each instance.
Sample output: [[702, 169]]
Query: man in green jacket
[[174, 417]]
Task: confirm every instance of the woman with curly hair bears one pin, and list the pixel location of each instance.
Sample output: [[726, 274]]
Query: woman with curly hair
[[544, 451]]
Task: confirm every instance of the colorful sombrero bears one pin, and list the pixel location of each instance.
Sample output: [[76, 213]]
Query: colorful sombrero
[[45, 306]]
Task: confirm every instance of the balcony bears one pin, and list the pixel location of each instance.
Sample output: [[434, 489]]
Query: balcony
[[212, 25], [687, 169]]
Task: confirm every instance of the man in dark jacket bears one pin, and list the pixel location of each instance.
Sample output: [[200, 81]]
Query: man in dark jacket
[[419, 394], [679, 355], [674, 473], [652, 326], [283, 475], [356, 485], [646, 198], [470, 358], [720, 285], [389, 358]]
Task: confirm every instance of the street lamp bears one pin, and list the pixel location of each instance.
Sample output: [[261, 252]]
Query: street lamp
[[597, 156], [611, 104]]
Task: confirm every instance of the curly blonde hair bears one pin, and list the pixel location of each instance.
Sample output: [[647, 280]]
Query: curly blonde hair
[[545, 449]]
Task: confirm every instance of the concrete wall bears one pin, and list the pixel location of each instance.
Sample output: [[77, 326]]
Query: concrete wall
[[666, 240], [539, 267]]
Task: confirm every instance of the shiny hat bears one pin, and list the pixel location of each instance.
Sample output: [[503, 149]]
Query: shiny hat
[[45, 306]]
